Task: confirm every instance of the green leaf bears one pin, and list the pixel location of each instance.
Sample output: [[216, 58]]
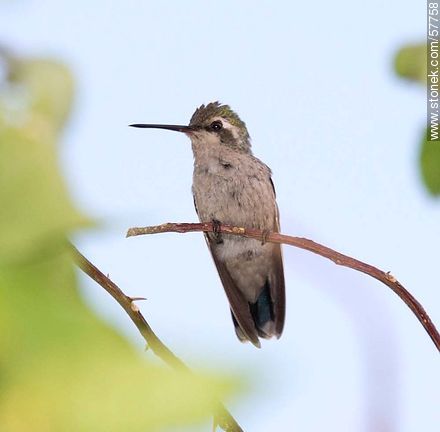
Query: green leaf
[[36, 211], [410, 62], [430, 164]]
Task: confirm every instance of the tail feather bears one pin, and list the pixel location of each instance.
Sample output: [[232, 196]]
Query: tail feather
[[262, 312], [238, 331]]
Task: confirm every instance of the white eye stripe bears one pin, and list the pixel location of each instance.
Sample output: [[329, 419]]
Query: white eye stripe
[[228, 126]]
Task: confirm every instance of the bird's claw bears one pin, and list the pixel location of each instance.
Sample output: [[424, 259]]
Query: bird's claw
[[264, 235], [216, 225]]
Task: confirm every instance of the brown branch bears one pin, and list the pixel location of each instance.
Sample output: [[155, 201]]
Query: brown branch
[[222, 417], [311, 246]]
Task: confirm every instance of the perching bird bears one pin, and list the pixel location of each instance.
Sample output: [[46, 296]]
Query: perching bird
[[231, 186]]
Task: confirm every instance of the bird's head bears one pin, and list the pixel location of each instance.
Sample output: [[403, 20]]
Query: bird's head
[[213, 124], [220, 124]]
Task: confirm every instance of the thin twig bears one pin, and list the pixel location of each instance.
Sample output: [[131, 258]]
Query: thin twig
[[303, 243], [222, 417]]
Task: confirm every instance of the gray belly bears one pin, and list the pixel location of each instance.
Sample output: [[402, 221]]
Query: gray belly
[[240, 196], [239, 200]]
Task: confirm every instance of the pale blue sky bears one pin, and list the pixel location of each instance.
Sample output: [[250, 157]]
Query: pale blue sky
[[314, 83]]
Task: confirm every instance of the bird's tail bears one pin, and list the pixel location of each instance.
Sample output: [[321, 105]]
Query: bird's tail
[[262, 312]]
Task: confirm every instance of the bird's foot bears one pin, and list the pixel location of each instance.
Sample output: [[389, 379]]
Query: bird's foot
[[216, 224], [264, 235]]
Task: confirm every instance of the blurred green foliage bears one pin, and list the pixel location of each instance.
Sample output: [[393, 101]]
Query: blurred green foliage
[[430, 164], [61, 368], [411, 63]]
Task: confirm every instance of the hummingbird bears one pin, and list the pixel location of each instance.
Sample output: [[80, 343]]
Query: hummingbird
[[231, 186]]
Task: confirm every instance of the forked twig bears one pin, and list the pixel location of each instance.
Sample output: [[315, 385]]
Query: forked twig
[[303, 243], [222, 417]]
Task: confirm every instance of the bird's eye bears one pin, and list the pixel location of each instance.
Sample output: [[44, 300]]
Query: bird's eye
[[216, 125]]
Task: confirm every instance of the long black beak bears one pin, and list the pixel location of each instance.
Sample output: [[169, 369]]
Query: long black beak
[[177, 128]]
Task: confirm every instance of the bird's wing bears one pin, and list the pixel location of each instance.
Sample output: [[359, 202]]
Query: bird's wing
[[276, 278], [238, 304], [277, 289]]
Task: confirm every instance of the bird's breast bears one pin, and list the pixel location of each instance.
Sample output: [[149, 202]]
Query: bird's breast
[[234, 192]]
